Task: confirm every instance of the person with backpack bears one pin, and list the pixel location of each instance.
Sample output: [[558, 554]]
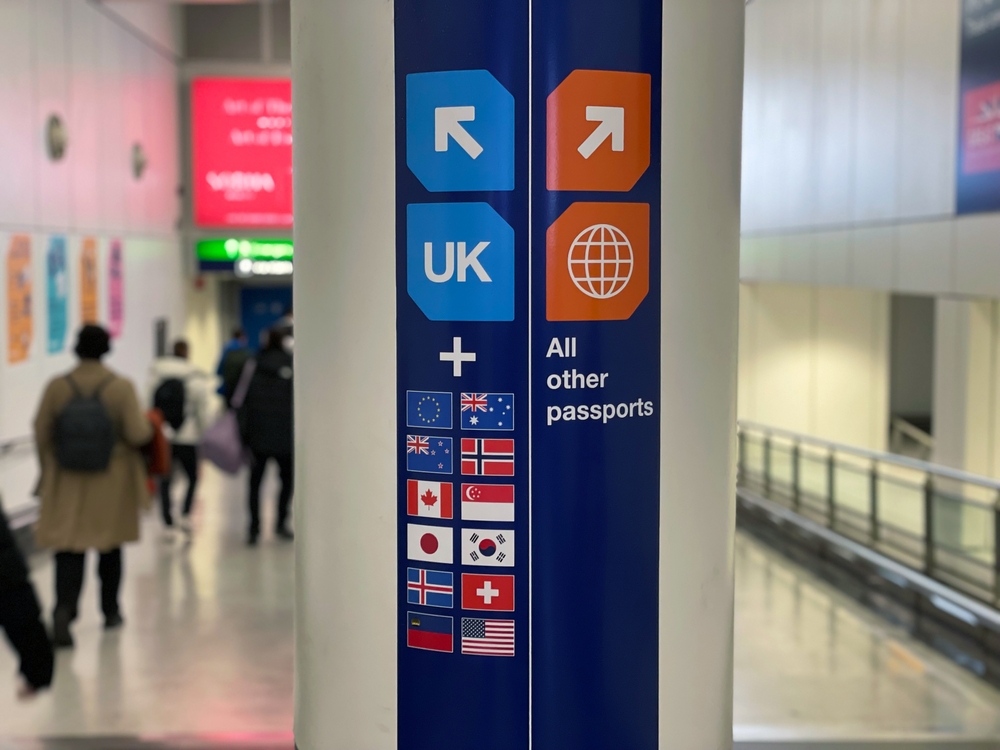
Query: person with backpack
[[21, 616], [180, 391], [234, 357], [266, 426], [88, 432]]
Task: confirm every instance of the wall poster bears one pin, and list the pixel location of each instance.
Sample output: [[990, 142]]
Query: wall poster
[[58, 293], [19, 311], [89, 312], [116, 289], [978, 172]]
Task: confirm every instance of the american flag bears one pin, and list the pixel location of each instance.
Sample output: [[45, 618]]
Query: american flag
[[417, 444], [487, 637]]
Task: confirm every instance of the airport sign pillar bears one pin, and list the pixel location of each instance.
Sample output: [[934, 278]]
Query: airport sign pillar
[[516, 305]]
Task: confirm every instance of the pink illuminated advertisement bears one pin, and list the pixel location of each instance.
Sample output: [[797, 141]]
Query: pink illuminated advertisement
[[981, 130], [242, 152]]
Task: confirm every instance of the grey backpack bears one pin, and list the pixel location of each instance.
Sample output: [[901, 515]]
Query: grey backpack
[[84, 432]]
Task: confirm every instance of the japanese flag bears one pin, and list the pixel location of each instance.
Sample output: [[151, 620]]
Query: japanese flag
[[429, 543]]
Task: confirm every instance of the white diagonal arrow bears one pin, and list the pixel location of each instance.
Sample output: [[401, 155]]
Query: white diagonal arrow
[[447, 122], [612, 125]]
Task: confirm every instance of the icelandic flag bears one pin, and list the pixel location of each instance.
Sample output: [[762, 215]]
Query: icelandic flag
[[487, 457], [487, 411], [430, 632], [428, 409], [488, 502], [430, 588], [429, 499], [429, 454]]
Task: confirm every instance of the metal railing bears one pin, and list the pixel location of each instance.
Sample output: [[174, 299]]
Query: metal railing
[[940, 521]]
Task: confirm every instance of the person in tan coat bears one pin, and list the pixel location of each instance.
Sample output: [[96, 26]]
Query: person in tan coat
[[83, 510]]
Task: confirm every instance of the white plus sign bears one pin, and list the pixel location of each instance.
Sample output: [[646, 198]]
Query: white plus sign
[[487, 592], [457, 357]]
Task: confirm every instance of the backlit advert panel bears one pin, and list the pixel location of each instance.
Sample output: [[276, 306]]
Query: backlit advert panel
[[242, 152]]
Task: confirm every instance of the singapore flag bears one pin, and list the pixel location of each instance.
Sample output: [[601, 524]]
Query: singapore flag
[[488, 502]]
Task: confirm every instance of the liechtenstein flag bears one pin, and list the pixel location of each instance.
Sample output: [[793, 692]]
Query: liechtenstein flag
[[488, 411], [430, 632]]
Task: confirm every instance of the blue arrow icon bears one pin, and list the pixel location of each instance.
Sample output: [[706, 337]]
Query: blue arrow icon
[[460, 131]]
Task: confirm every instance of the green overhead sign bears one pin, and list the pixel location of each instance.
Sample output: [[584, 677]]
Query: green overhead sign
[[232, 249]]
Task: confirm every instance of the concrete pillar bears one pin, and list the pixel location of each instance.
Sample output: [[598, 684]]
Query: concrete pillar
[[634, 651]]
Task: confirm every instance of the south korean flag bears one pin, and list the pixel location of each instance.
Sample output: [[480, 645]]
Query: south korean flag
[[488, 547]]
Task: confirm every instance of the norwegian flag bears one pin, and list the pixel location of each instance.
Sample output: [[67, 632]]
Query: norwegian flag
[[486, 457]]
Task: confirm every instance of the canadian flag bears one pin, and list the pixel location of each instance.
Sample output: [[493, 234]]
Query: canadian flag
[[429, 499]]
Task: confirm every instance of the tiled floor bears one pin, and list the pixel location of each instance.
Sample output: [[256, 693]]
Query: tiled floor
[[205, 659]]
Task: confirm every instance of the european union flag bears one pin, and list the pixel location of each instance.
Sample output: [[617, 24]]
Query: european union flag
[[430, 454], [488, 411], [428, 409]]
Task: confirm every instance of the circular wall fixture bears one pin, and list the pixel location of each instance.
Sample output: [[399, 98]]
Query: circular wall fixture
[[139, 160], [55, 137]]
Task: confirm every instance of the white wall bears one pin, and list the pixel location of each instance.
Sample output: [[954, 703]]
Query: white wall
[[850, 128], [111, 89], [816, 361], [967, 386]]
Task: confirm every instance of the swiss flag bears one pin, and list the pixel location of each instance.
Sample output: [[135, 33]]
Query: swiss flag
[[429, 499], [491, 593]]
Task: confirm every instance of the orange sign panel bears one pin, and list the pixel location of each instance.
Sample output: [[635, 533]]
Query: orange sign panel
[[597, 131], [19, 310], [597, 262], [88, 282]]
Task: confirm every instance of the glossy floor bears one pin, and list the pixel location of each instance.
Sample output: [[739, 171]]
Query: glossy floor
[[207, 650], [207, 643]]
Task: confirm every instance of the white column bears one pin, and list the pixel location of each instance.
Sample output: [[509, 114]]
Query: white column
[[702, 104], [345, 291], [345, 361]]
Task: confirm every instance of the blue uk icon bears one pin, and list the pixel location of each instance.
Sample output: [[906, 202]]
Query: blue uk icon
[[460, 261], [460, 131]]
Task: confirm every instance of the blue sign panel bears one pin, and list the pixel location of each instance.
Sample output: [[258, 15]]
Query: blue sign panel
[[460, 261], [505, 325], [460, 131], [978, 164]]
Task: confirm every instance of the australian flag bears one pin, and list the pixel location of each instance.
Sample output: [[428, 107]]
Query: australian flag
[[488, 411], [428, 453], [428, 409]]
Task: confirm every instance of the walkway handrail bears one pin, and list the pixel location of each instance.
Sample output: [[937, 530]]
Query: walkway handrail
[[883, 458]]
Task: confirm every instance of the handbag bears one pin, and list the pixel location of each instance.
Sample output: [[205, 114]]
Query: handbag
[[222, 443], [157, 452]]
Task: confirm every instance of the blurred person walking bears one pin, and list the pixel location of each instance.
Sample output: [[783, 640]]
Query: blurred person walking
[[180, 391], [266, 427], [88, 432], [21, 616], [234, 357]]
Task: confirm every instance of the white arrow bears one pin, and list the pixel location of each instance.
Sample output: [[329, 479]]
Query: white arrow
[[446, 122], [612, 125]]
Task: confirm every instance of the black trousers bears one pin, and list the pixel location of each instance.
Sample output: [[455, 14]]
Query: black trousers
[[20, 618], [187, 457], [286, 472], [69, 581]]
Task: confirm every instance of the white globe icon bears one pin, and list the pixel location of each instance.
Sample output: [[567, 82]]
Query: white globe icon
[[601, 261]]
